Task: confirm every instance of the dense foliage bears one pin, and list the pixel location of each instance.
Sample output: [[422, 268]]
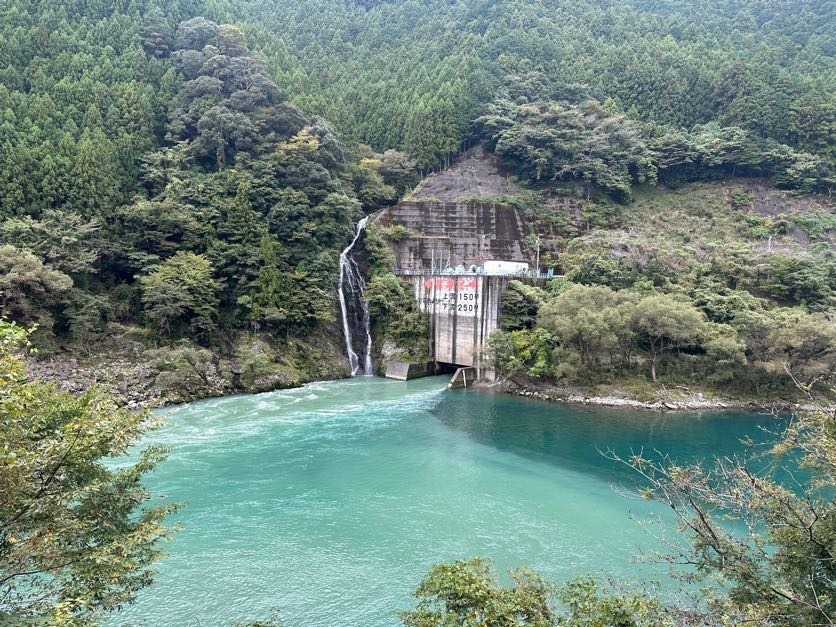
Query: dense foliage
[[147, 137], [767, 68], [741, 274], [399, 328], [77, 536], [466, 593], [153, 172], [171, 165], [602, 148], [575, 333]]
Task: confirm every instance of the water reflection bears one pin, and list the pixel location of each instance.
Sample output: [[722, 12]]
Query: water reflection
[[574, 437]]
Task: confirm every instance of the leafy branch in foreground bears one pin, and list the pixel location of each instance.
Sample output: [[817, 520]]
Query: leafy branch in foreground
[[762, 524], [467, 593], [77, 536]]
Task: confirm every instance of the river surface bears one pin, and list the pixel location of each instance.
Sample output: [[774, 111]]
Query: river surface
[[331, 501]]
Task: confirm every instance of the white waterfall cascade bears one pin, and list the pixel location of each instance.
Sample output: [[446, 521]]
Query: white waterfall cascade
[[351, 279]]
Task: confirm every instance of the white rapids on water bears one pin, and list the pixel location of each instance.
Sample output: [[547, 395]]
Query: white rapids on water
[[352, 278]]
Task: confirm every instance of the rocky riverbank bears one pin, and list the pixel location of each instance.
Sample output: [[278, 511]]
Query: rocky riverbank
[[145, 378], [142, 378], [678, 399]]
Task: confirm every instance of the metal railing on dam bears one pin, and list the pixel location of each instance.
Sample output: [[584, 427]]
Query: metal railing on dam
[[529, 274]]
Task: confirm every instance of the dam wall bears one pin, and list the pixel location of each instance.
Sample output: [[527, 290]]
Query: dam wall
[[463, 311], [442, 254], [458, 233], [451, 227]]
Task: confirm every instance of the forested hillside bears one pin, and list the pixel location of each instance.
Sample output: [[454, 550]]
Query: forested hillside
[[414, 74], [715, 287], [153, 172], [178, 178]]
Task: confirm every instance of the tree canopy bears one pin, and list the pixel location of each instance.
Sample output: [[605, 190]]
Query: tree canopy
[[78, 537]]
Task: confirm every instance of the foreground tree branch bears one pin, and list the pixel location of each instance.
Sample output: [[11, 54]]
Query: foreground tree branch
[[77, 538], [763, 524]]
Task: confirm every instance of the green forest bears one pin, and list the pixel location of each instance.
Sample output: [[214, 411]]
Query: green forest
[[203, 163], [725, 287], [179, 177]]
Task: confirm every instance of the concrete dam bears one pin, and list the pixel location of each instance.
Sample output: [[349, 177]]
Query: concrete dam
[[463, 311], [446, 257]]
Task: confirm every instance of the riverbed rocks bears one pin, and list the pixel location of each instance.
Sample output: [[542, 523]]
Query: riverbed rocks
[[681, 400], [141, 378], [619, 401], [128, 380]]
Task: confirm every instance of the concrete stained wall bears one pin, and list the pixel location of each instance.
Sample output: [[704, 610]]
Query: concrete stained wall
[[406, 370], [463, 311], [463, 233]]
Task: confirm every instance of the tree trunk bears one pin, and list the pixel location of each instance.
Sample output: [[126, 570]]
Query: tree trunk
[[220, 155]]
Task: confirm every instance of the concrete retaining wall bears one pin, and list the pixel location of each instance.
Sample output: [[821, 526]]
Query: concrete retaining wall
[[406, 370], [461, 233]]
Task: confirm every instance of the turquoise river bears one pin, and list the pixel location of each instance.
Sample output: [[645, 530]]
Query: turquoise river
[[331, 501]]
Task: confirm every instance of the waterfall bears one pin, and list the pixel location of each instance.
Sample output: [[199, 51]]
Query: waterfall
[[356, 310]]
